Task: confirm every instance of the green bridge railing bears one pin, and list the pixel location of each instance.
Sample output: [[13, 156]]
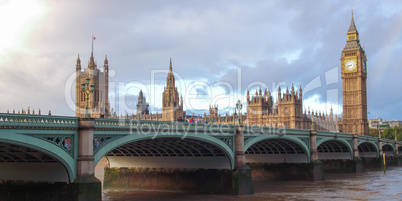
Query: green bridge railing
[[26, 120]]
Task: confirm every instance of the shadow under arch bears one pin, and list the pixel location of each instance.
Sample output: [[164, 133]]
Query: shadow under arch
[[104, 150], [388, 149], [368, 149], [285, 143], [334, 149], [47, 148]]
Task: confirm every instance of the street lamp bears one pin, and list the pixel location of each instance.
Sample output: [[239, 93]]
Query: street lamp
[[87, 89], [238, 107]]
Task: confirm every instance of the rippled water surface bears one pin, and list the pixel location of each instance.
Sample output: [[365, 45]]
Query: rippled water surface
[[373, 185]]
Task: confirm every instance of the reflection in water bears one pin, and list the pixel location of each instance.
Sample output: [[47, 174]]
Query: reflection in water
[[373, 185]]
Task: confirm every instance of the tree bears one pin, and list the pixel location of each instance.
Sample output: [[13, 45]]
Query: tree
[[389, 133], [373, 132]]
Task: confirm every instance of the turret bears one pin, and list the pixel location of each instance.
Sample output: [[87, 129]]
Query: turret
[[78, 66], [106, 64], [300, 94], [279, 94], [292, 93], [92, 64]]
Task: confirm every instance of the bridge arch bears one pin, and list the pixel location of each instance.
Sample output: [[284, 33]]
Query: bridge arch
[[282, 149], [368, 149], [149, 144], [48, 150], [388, 150], [334, 149]]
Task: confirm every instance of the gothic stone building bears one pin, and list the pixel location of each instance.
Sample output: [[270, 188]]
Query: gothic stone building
[[288, 111], [98, 102], [172, 108]]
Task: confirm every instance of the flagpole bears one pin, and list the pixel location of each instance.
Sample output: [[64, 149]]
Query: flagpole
[[92, 42]]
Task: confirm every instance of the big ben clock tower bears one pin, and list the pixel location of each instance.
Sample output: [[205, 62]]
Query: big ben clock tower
[[354, 90]]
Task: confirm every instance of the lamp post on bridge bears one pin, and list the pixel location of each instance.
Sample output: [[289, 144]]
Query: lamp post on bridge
[[238, 107], [87, 89]]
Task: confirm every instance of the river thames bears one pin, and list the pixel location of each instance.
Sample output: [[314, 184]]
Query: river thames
[[371, 185]]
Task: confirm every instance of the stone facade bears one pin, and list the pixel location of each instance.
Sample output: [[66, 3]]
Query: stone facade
[[172, 108], [287, 112], [98, 102], [354, 88]]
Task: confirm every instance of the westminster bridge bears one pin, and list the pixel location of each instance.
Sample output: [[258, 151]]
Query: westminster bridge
[[54, 149]]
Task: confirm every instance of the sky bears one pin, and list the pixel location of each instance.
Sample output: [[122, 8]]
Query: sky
[[219, 49]]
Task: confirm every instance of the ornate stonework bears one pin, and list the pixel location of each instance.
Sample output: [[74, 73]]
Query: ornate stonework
[[287, 112], [172, 108], [98, 101], [354, 88]]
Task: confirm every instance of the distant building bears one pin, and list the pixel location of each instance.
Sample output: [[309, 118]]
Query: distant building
[[379, 123], [142, 105], [394, 122]]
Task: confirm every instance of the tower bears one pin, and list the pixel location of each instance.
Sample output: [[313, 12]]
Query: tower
[[354, 90], [142, 105], [172, 108], [213, 111], [98, 102], [290, 108]]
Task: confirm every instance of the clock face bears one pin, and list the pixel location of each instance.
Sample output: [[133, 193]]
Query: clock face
[[350, 65]]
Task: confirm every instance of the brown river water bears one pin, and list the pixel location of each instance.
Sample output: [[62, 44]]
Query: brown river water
[[371, 185]]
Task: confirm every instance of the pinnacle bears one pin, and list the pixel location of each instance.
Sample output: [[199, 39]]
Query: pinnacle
[[170, 67], [352, 27]]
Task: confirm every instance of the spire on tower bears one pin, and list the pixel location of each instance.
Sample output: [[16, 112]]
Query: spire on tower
[[78, 66], [92, 64], [106, 61], [352, 27], [170, 67], [78, 60], [141, 95]]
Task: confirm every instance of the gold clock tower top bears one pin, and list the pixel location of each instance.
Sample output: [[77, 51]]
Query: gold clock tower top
[[353, 35]]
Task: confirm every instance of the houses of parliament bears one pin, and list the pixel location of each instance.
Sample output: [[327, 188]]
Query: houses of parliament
[[286, 112]]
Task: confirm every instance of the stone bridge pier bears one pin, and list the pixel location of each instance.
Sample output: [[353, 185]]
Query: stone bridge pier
[[317, 171], [242, 180], [86, 186]]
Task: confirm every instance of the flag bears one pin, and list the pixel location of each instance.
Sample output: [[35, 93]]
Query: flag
[[94, 37], [368, 111]]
